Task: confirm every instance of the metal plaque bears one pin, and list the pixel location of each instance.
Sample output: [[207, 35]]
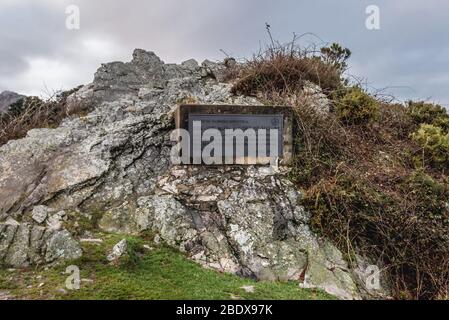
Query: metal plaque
[[256, 122]]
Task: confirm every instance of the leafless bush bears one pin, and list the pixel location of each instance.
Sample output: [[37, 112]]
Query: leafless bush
[[286, 68], [32, 112]]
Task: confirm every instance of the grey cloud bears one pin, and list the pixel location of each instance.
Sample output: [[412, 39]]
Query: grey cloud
[[410, 51]]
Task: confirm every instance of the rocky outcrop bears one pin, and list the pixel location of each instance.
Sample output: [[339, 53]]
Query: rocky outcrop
[[115, 152], [115, 160], [7, 98], [243, 220]]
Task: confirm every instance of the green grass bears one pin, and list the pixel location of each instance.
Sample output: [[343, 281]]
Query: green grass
[[159, 274]]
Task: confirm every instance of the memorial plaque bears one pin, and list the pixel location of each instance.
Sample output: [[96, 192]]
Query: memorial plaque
[[247, 134], [244, 122]]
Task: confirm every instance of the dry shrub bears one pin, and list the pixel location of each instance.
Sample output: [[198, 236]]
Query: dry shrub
[[32, 112], [320, 142], [360, 181], [286, 69], [394, 122], [371, 199], [405, 229]]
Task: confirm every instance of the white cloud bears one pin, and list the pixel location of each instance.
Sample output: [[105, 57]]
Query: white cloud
[[44, 74], [74, 66]]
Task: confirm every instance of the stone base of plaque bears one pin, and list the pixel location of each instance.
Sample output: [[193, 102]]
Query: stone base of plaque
[[243, 117]]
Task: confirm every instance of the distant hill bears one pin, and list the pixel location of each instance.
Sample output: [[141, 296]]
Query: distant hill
[[7, 98]]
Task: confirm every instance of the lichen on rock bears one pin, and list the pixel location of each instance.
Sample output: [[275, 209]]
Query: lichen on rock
[[25, 244]]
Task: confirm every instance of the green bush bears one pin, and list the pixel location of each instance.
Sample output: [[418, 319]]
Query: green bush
[[355, 106], [336, 55], [429, 195], [443, 123], [434, 142], [428, 113]]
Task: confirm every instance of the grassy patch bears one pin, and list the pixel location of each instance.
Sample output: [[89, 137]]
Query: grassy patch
[[161, 273]]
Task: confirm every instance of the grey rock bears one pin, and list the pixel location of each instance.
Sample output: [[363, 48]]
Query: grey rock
[[5, 295], [7, 233], [313, 97], [118, 250], [55, 221], [40, 213], [18, 249], [89, 240], [61, 246], [249, 289], [230, 63], [7, 98], [24, 244], [372, 278], [11, 222], [191, 64], [216, 70]]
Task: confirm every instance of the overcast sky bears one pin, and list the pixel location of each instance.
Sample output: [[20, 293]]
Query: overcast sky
[[409, 54]]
